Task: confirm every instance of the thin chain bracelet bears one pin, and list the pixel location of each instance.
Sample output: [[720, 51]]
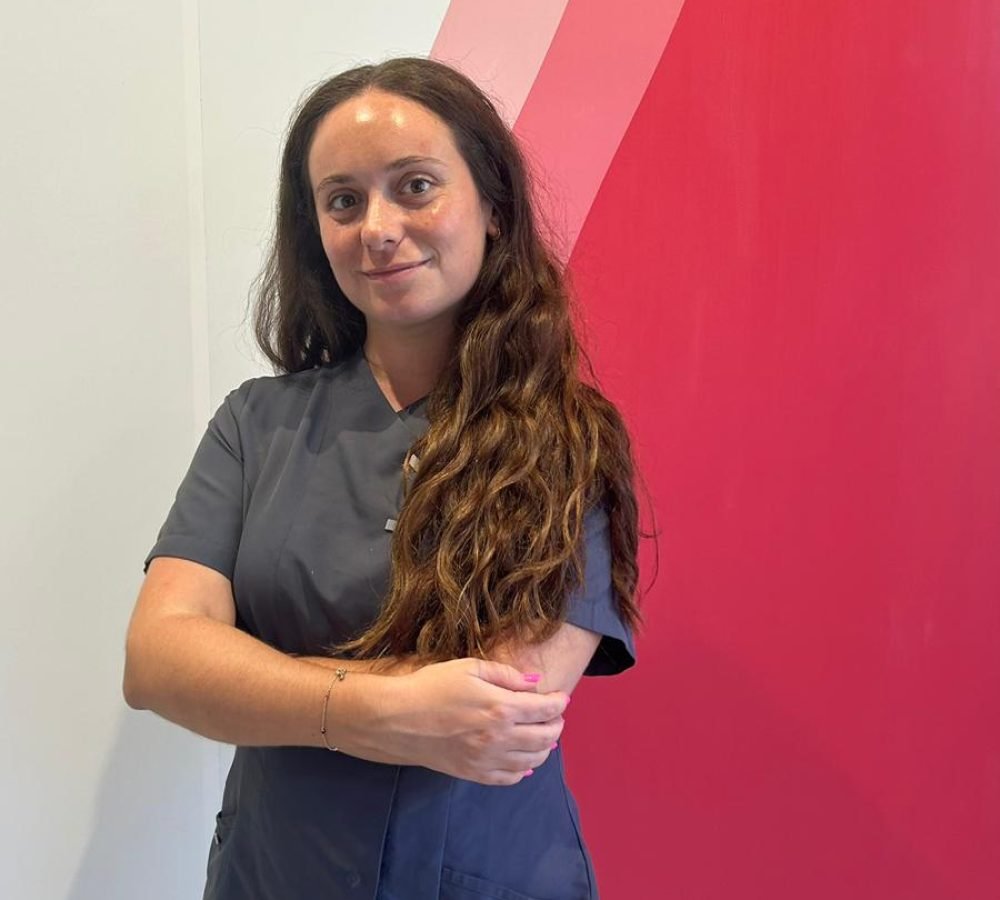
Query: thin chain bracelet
[[338, 675]]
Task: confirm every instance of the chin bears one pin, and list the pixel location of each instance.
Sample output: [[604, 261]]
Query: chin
[[414, 317]]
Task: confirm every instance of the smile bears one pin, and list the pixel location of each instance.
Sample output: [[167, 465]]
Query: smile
[[394, 274]]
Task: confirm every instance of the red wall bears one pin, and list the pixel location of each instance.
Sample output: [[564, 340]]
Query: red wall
[[792, 276]]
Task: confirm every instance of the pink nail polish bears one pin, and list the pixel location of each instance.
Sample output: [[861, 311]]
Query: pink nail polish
[[533, 677], [530, 772], [556, 744]]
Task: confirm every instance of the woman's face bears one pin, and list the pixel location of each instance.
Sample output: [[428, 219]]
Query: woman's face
[[401, 220]]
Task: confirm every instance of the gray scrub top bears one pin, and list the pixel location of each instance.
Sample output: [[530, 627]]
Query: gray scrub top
[[288, 496]]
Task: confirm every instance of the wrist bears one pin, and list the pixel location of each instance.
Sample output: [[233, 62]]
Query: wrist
[[403, 665], [371, 713]]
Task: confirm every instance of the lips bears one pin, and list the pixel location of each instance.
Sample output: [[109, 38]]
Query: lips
[[393, 270]]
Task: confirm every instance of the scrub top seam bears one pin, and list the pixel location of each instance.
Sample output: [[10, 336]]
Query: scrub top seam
[[385, 835], [577, 827], [279, 556]]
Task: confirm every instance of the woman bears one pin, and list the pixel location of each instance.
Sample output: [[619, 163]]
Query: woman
[[409, 546]]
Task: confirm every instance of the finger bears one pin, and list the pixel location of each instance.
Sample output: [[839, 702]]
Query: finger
[[501, 777], [507, 677], [520, 761], [534, 738], [539, 708]]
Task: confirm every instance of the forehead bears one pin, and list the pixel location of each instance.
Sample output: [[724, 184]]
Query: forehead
[[371, 130]]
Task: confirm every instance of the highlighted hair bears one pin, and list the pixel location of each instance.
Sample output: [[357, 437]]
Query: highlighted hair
[[488, 542]]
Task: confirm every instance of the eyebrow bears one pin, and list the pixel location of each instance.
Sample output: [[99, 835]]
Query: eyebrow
[[395, 165]]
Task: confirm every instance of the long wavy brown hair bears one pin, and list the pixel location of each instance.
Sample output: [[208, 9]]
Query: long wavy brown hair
[[488, 542]]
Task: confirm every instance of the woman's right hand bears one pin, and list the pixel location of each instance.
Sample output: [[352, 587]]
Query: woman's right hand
[[470, 718]]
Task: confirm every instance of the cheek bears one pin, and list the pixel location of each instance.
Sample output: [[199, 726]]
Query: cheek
[[337, 247], [436, 220], [455, 228]]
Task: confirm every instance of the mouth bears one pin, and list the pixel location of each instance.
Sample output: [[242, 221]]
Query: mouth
[[393, 271]]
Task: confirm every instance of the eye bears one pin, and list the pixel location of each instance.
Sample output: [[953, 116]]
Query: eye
[[341, 202], [415, 183]]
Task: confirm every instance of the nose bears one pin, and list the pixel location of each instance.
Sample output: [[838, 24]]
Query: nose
[[382, 224]]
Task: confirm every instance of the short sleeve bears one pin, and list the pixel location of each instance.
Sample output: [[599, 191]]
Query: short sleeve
[[593, 606], [206, 520]]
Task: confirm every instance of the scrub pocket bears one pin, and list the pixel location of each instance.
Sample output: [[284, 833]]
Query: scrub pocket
[[459, 886], [223, 825]]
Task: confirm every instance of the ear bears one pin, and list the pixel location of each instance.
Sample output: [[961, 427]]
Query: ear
[[488, 209]]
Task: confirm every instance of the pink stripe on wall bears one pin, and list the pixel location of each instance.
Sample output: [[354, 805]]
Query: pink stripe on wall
[[594, 75], [500, 46]]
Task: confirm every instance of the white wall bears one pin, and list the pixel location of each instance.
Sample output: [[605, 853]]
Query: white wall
[[138, 158]]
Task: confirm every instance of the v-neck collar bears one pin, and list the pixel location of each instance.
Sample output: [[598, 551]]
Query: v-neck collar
[[414, 416]]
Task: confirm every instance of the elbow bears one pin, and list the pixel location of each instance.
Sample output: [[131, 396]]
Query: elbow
[[132, 684], [131, 692], [132, 697]]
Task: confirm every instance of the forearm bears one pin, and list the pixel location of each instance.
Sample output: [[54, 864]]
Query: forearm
[[187, 661], [224, 684], [560, 661], [395, 665], [467, 718]]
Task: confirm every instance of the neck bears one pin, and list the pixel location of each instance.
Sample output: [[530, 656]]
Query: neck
[[407, 366]]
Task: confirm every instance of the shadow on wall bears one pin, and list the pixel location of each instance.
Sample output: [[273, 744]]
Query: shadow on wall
[[150, 836]]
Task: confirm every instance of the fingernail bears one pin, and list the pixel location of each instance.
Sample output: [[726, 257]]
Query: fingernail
[[556, 744], [533, 677], [530, 772]]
